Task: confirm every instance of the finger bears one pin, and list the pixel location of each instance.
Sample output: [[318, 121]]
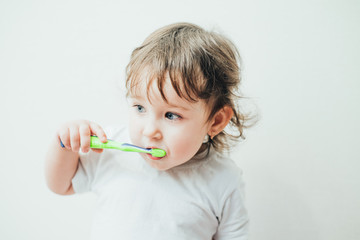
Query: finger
[[74, 138], [64, 137], [98, 131], [84, 132], [97, 150]]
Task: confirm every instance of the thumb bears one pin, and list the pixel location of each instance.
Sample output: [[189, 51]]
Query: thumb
[[98, 131], [97, 150]]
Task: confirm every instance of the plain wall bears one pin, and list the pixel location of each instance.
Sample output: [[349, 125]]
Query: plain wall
[[65, 60]]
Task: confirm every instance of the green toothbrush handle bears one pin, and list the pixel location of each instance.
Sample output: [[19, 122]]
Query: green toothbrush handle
[[96, 143]]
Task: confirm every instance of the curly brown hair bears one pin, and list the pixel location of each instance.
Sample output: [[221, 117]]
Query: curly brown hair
[[201, 65]]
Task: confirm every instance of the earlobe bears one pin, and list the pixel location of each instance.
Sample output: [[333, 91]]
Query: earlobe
[[220, 120]]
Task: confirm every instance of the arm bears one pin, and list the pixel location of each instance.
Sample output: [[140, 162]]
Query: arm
[[61, 163], [60, 167], [233, 220]]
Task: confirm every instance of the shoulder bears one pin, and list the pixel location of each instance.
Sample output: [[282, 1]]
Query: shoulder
[[225, 170], [221, 174], [223, 181]]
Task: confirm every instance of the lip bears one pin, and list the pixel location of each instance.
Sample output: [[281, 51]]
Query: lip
[[153, 158]]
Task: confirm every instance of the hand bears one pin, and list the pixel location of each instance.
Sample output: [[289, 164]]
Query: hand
[[76, 134]]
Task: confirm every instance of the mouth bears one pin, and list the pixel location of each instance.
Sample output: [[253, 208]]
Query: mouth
[[156, 155], [152, 157]]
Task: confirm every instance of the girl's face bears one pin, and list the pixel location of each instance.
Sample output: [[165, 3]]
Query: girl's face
[[178, 126]]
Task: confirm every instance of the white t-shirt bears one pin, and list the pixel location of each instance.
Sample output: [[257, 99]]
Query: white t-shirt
[[201, 199]]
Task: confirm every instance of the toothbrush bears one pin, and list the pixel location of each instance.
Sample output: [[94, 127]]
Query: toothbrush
[[110, 144]]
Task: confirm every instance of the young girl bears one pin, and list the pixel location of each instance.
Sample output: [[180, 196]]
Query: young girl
[[182, 87]]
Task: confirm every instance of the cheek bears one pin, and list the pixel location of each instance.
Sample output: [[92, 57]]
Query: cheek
[[134, 128], [186, 142]]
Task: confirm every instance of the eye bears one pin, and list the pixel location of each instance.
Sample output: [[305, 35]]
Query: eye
[[172, 116], [139, 108]]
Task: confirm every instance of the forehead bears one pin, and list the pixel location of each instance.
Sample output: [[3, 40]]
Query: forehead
[[151, 84], [147, 88], [189, 84]]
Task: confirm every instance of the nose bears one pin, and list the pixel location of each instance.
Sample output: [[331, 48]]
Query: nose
[[152, 130]]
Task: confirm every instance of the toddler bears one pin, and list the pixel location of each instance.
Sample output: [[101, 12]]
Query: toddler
[[182, 87]]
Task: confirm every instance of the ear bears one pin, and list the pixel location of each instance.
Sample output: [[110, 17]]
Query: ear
[[220, 120]]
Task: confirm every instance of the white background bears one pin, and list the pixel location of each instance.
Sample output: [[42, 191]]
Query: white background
[[64, 60]]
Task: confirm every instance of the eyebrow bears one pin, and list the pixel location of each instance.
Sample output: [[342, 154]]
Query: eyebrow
[[138, 97], [180, 107]]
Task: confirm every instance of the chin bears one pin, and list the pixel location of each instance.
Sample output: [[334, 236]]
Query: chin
[[157, 164], [159, 167]]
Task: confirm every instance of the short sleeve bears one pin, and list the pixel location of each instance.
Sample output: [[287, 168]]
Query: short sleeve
[[234, 221], [86, 171]]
